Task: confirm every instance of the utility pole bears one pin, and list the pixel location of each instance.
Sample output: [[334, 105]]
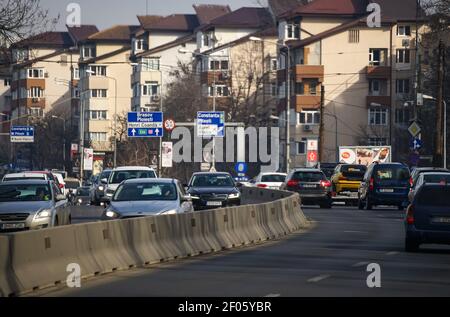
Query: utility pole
[[439, 136], [322, 119], [288, 110], [416, 69]]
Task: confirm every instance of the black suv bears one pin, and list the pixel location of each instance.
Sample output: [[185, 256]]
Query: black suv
[[384, 184]]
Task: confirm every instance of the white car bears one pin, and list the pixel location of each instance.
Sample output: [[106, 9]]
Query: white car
[[270, 180], [120, 174]]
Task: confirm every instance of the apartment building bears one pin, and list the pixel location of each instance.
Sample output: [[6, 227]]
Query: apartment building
[[156, 52], [104, 89], [5, 99], [367, 74]]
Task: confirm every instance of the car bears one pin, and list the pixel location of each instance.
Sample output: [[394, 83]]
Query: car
[[311, 184], [427, 219], [61, 182], [328, 169], [384, 184], [82, 197], [71, 187], [120, 174], [43, 175], [270, 180], [429, 178], [147, 197], [417, 171], [97, 189], [32, 204], [213, 190], [345, 182]]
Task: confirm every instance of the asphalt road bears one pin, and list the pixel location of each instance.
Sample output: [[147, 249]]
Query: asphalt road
[[329, 260]]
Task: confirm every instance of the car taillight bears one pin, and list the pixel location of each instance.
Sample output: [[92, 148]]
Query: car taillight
[[325, 184], [261, 185], [61, 186], [371, 185], [292, 183], [411, 182], [410, 215]]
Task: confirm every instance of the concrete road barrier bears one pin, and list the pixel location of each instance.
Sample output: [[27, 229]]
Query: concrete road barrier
[[37, 259]]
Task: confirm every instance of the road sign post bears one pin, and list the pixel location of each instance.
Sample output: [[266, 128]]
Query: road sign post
[[145, 125], [22, 134]]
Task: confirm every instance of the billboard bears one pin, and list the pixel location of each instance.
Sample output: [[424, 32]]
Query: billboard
[[167, 154], [364, 155]]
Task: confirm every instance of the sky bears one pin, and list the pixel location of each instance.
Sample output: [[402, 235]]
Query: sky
[[105, 13]]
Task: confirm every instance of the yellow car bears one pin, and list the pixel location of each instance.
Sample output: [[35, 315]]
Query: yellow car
[[347, 178]]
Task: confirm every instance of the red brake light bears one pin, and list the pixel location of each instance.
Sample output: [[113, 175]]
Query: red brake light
[[60, 185], [411, 181], [292, 183], [371, 184], [261, 185], [410, 215], [325, 183]]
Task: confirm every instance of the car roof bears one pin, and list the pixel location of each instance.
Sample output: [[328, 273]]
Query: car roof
[[273, 173], [211, 173], [133, 168], [26, 174], [305, 169], [390, 164], [27, 182], [150, 180]]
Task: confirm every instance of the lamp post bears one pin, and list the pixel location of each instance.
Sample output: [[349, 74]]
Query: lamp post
[[288, 96], [445, 126], [64, 140], [115, 113]]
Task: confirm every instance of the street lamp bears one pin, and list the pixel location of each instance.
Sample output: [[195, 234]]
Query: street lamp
[[288, 96], [115, 113], [64, 140], [445, 126]]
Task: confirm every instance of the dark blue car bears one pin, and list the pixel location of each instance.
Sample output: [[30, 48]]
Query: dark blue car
[[384, 184], [428, 217]]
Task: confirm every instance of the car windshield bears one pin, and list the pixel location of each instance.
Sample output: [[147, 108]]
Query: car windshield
[[308, 177], [83, 192], [118, 177], [437, 178], [392, 174], [144, 192], [273, 178], [436, 196], [9, 179], [211, 180], [72, 184], [29, 192]]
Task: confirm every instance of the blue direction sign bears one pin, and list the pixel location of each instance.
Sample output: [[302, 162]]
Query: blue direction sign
[[241, 168], [22, 134], [145, 125], [416, 144], [211, 124]]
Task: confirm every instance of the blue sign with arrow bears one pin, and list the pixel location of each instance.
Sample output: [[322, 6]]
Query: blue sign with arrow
[[241, 168], [211, 124], [145, 125], [416, 144]]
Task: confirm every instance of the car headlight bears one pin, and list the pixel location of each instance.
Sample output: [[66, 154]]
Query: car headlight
[[111, 214], [235, 195], [101, 188], [168, 212], [80, 200], [195, 197], [45, 213]]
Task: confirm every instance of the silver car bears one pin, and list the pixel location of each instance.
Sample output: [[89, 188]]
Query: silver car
[[32, 204], [148, 197]]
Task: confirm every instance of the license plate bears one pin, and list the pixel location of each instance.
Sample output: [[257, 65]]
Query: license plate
[[386, 190], [214, 203], [8, 226], [309, 186], [441, 220]]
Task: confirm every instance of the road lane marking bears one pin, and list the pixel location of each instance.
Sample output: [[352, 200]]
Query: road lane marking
[[392, 253], [359, 264], [350, 231], [318, 278], [273, 295]]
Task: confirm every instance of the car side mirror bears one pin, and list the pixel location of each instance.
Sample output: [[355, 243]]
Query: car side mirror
[[60, 197], [186, 187], [104, 181], [239, 185], [186, 198]]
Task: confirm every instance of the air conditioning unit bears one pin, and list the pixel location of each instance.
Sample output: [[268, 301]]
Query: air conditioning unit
[[224, 75], [406, 42], [307, 128], [46, 75], [155, 98]]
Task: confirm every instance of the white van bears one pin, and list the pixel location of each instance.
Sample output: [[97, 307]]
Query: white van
[[120, 174]]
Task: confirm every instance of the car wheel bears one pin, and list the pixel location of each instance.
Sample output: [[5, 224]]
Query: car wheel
[[360, 204], [368, 204], [411, 245], [70, 220], [56, 223]]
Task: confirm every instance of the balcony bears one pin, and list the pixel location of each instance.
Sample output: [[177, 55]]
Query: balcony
[[379, 100], [309, 71], [94, 82], [302, 102], [141, 76], [152, 102], [28, 83], [221, 77], [378, 72], [35, 102]]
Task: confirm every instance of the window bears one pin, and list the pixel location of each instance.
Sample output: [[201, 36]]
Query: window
[[403, 56], [36, 112], [402, 86], [76, 73], [35, 92], [404, 30], [299, 89], [76, 93], [14, 95], [309, 117], [377, 141], [377, 56], [97, 115], [7, 82], [88, 51], [374, 87], [205, 40], [35, 73], [313, 88], [97, 70], [221, 91], [99, 93], [273, 64], [149, 64], [218, 65], [97, 136], [150, 89], [402, 116], [301, 146], [140, 45], [273, 89], [378, 116], [292, 31], [353, 36]]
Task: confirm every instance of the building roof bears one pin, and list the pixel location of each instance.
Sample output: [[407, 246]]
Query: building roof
[[46, 39], [400, 10], [117, 33], [82, 32], [208, 12], [246, 17], [282, 6], [174, 22], [330, 7]]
